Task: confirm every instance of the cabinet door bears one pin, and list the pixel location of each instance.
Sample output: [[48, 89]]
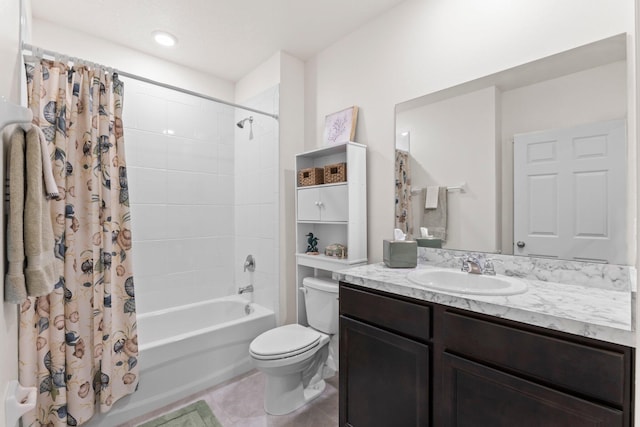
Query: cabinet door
[[308, 204], [476, 395], [384, 378], [334, 203]]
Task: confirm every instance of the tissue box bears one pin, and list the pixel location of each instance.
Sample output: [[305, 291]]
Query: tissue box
[[400, 253], [425, 242]]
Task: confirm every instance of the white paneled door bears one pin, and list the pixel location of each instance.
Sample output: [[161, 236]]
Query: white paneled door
[[570, 195]]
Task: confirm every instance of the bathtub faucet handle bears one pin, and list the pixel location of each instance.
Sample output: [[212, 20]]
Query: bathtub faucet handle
[[250, 263]]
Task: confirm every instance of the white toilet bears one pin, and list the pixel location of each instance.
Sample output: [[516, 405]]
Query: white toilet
[[293, 357]]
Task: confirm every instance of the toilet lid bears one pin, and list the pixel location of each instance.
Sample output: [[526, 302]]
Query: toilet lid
[[285, 341]]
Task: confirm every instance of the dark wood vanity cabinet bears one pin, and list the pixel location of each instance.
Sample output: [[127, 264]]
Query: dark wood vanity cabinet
[[405, 362], [384, 361]]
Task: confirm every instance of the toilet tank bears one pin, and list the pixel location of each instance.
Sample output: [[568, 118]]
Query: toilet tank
[[321, 302]]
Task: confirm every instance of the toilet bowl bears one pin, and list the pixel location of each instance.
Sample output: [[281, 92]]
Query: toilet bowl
[[293, 357]]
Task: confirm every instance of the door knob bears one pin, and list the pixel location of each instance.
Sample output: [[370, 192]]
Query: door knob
[[520, 244]]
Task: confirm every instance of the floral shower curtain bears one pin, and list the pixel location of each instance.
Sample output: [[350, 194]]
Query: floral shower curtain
[[404, 218], [79, 344]]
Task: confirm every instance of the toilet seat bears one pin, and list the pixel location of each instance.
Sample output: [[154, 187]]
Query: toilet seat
[[284, 341]]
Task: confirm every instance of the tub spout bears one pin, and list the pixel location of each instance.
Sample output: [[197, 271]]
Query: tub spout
[[248, 288]]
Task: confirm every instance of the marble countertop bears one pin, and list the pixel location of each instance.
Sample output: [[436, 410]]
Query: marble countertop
[[603, 314]]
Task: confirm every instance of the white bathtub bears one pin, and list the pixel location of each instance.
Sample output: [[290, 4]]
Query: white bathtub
[[187, 349]]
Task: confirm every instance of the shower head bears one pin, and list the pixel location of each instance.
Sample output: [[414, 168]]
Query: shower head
[[240, 124]]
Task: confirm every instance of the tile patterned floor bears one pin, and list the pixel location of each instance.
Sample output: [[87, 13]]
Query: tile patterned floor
[[238, 403]]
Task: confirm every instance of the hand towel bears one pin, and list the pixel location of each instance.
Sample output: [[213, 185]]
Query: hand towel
[[41, 272], [49, 180], [29, 231], [15, 290], [436, 219], [431, 199]]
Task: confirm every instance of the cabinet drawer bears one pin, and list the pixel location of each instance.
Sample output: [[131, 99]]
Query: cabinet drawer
[[595, 372], [476, 395], [405, 317]]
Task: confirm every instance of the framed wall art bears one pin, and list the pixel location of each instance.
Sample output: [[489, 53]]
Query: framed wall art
[[340, 127]]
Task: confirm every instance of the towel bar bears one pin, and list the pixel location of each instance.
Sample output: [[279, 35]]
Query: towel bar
[[461, 188]]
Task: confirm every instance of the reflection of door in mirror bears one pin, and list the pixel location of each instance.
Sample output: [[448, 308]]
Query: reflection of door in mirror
[[570, 193]]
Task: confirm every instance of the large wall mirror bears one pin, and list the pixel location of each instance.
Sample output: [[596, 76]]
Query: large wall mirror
[[533, 160]]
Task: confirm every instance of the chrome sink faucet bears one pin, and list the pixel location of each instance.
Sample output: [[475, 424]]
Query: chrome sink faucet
[[477, 264], [471, 264]]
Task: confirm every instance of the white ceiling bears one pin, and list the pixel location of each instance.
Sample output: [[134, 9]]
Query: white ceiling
[[226, 38]]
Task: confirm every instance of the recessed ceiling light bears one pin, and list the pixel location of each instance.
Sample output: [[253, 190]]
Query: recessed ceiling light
[[165, 39]]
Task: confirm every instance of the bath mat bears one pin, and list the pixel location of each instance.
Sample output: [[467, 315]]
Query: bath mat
[[197, 414]]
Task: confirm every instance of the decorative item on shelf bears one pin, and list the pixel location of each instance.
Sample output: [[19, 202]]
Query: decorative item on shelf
[[340, 127], [335, 173], [336, 250], [310, 176], [312, 244]]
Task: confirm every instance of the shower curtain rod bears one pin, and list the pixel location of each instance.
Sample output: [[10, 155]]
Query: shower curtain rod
[[35, 49]]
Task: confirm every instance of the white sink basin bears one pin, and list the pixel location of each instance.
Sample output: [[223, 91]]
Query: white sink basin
[[465, 283]]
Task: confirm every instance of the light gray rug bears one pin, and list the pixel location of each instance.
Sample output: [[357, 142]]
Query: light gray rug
[[197, 414]]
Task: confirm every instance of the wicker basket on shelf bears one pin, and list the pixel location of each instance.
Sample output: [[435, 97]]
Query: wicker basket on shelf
[[335, 173], [310, 176]]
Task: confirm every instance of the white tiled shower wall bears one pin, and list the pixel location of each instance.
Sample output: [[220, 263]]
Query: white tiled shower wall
[[256, 198], [180, 157]]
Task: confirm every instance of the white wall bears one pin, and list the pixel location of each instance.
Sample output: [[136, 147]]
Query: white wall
[[425, 45], [263, 77], [9, 88], [454, 141], [291, 143]]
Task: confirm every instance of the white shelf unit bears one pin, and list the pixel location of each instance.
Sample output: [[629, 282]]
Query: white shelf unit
[[335, 213]]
